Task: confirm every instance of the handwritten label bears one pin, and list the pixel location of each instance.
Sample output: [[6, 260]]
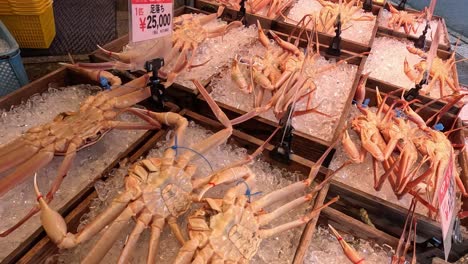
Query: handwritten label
[[150, 19], [447, 206]]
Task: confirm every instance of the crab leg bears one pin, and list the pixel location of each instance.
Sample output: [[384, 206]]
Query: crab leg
[[142, 223], [187, 251], [180, 65], [203, 256], [16, 156], [131, 125], [226, 176], [62, 172], [56, 228], [11, 146], [94, 75], [279, 195], [111, 234], [172, 221], [133, 98], [38, 161], [264, 219], [232, 172], [285, 45], [350, 253], [157, 226], [215, 140], [238, 77], [265, 233], [205, 19]]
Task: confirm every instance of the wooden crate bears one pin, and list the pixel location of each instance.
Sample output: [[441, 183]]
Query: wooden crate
[[325, 38], [61, 78], [281, 26], [230, 13], [388, 87], [45, 248], [304, 144], [387, 216], [443, 46]]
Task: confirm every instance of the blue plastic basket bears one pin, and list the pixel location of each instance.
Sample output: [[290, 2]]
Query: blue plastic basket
[[12, 73]]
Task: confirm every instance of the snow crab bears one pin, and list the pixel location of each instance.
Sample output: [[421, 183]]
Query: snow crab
[[70, 132], [392, 130], [230, 229], [329, 14], [189, 32], [405, 19], [442, 71]]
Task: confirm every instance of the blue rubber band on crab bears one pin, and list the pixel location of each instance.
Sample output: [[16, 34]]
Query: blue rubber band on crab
[[104, 82], [438, 127], [176, 147], [366, 102], [248, 191], [399, 113]]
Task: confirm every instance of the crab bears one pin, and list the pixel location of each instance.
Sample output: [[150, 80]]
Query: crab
[[229, 230], [442, 71], [405, 19], [331, 11], [189, 32], [70, 132]]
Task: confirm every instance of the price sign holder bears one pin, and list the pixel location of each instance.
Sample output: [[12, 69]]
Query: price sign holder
[[150, 19], [447, 202]]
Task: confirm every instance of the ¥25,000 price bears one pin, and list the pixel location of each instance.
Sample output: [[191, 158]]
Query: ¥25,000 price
[[155, 21]]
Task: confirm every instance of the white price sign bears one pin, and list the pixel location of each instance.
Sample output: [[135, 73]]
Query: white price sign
[[447, 206], [150, 19]]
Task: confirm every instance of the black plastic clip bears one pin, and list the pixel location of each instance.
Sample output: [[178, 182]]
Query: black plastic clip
[[413, 93], [401, 5], [282, 152], [158, 91], [457, 235], [241, 13], [420, 43], [367, 5], [335, 46]]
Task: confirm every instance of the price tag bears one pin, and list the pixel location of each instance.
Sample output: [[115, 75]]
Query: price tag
[[447, 206], [150, 19]]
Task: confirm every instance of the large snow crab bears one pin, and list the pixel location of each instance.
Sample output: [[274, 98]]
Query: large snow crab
[[72, 131], [229, 230]]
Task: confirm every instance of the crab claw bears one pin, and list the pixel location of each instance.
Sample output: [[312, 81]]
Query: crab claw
[[408, 71], [350, 253], [261, 36], [392, 9], [53, 222], [285, 45], [361, 89], [350, 148]]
